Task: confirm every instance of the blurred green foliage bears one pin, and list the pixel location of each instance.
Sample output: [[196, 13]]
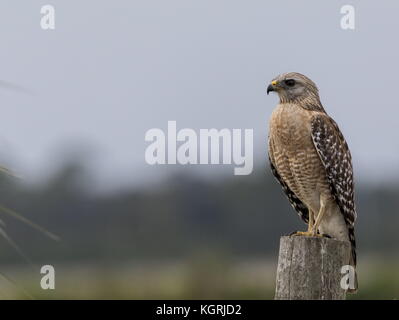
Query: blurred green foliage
[[185, 238]]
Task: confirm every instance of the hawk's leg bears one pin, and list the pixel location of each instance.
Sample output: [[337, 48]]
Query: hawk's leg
[[310, 232], [319, 216], [311, 220], [313, 224]]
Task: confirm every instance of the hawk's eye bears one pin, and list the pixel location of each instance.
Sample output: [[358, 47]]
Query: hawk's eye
[[290, 82]]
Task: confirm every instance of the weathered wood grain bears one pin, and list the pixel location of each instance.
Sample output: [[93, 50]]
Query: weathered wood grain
[[309, 268]]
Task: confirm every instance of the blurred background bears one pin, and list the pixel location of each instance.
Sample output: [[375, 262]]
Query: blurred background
[[77, 101]]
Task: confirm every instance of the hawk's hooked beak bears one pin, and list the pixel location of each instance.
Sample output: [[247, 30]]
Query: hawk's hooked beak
[[271, 86]]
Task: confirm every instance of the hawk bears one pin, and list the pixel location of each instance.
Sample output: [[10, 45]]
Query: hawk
[[311, 160]]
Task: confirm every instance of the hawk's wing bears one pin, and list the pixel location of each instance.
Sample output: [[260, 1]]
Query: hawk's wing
[[337, 161], [294, 200]]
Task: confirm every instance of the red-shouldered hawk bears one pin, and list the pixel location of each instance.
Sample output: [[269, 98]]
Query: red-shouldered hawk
[[311, 160]]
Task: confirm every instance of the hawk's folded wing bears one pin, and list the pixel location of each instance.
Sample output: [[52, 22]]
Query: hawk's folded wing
[[337, 161]]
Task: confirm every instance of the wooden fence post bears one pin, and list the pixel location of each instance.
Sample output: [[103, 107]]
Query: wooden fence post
[[309, 268]]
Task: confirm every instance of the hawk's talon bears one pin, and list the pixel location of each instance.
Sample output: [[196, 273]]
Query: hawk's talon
[[306, 234], [309, 234]]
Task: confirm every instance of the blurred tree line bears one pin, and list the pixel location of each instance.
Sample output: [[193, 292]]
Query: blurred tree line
[[238, 215]]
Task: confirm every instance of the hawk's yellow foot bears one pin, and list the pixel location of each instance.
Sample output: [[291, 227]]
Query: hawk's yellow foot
[[306, 234], [309, 234]]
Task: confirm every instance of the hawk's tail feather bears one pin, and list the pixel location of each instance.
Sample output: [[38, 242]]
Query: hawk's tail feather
[[351, 231], [353, 258]]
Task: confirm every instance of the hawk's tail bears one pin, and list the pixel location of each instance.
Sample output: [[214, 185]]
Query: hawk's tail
[[353, 258]]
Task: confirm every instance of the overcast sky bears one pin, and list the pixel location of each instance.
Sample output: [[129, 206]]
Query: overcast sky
[[111, 70]]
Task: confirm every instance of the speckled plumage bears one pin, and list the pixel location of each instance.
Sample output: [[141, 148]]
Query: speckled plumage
[[311, 159]]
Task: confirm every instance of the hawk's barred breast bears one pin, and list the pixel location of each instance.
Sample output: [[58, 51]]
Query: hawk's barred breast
[[294, 156]]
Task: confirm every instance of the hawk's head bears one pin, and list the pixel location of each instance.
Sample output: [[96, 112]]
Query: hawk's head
[[293, 87]]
